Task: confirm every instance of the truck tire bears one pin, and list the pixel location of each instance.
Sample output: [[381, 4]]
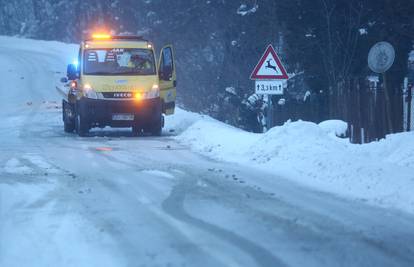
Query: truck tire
[[136, 130], [69, 127], [82, 125], [68, 123], [156, 127]]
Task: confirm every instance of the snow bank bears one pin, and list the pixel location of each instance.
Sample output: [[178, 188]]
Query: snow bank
[[334, 127], [380, 173], [218, 140], [396, 149], [181, 120]]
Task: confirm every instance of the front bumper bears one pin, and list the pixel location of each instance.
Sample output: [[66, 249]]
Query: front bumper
[[99, 112]]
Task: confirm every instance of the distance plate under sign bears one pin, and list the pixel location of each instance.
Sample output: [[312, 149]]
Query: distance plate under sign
[[269, 87]]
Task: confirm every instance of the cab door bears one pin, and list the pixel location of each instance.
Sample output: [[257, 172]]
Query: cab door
[[168, 79]]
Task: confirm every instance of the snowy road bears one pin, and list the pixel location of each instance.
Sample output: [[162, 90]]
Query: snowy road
[[117, 200]]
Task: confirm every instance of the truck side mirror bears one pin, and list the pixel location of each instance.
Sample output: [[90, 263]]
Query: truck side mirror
[[64, 80], [72, 72]]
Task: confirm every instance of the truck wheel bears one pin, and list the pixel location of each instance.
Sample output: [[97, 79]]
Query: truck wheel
[[156, 127], [82, 127], [69, 124], [136, 130], [69, 127]]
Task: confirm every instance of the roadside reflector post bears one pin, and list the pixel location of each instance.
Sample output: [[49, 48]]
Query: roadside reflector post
[[269, 76]]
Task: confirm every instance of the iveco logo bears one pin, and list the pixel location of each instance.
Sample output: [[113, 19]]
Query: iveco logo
[[122, 95], [121, 81]]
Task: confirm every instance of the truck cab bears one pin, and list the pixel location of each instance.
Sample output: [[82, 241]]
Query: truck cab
[[116, 81]]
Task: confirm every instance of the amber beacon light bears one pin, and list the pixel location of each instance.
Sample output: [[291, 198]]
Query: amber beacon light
[[101, 36]]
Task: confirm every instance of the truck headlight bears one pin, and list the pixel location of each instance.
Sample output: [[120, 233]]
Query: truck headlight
[[155, 90], [90, 93], [153, 93]]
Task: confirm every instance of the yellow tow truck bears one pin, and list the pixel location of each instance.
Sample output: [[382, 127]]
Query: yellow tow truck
[[117, 82]]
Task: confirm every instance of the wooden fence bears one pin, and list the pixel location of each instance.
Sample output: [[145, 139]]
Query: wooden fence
[[370, 112]]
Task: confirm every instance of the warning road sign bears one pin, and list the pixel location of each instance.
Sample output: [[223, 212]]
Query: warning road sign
[[270, 67]]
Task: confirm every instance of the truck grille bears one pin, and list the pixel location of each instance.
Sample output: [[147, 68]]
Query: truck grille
[[120, 95]]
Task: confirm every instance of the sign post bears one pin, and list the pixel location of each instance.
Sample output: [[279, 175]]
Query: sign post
[[380, 59], [269, 75]]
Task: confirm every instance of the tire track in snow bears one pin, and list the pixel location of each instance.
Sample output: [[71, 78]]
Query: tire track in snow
[[174, 206]]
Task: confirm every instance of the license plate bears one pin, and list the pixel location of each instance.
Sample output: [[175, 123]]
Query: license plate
[[123, 117]]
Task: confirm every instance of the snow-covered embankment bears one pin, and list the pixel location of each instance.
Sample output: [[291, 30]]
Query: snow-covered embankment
[[380, 173]]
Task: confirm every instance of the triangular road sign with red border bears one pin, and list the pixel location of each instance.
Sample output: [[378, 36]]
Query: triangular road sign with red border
[[270, 67]]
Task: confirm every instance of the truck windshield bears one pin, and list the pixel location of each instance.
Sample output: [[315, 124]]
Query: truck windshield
[[119, 61]]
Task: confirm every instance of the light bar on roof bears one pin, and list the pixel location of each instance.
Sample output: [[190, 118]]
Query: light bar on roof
[[101, 36]]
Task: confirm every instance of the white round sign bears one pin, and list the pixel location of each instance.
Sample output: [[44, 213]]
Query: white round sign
[[381, 57]]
